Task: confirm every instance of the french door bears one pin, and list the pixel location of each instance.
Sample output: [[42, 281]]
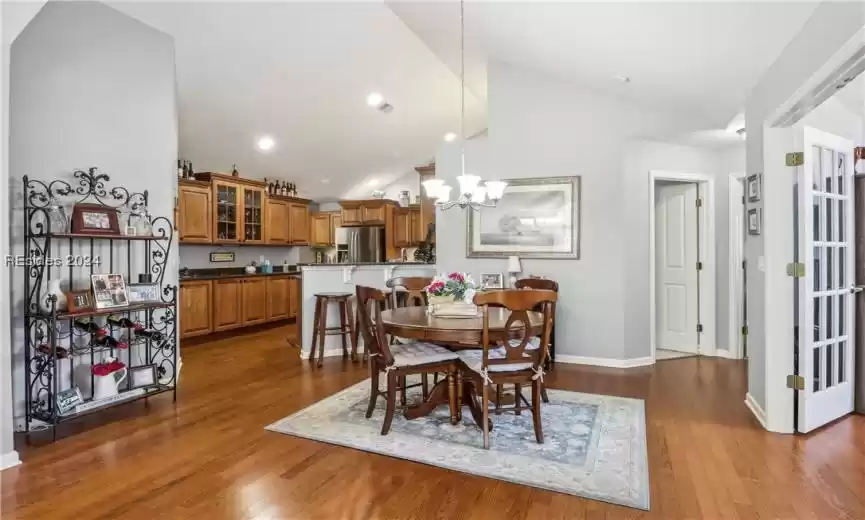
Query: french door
[[825, 292]]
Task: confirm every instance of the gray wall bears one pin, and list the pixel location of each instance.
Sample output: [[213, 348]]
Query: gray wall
[[540, 127], [198, 256], [90, 87]]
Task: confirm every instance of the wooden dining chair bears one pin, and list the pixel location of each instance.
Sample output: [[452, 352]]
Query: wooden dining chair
[[520, 360], [550, 359], [398, 361], [408, 291]]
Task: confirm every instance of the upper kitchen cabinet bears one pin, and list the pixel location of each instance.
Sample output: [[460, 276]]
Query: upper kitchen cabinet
[[276, 221], [365, 212], [406, 227], [298, 223], [352, 214], [320, 230], [194, 212], [253, 215], [238, 208], [427, 206]]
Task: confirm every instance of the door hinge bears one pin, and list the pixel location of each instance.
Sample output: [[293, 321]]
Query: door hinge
[[744, 264], [796, 382], [744, 330], [699, 266], [796, 269], [795, 159], [699, 202], [743, 199], [699, 327]]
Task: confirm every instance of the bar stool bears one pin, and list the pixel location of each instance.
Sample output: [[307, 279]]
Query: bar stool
[[319, 323]]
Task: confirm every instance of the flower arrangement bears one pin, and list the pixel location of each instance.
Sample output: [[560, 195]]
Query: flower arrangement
[[458, 286], [107, 367]]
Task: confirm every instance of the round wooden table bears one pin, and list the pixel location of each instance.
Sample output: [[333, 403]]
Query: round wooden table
[[457, 334]]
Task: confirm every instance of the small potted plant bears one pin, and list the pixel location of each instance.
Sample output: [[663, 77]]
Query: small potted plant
[[450, 288]]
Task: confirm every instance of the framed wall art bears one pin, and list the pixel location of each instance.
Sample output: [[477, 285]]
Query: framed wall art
[[94, 219], [754, 218], [143, 292], [754, 187], [535, 218], [492, 281]]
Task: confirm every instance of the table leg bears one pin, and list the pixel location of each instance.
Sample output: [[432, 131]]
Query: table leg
[[438, 396], [470, 391]]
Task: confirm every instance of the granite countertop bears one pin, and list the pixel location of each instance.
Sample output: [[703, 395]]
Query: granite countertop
[[347, 264], [219, 273]]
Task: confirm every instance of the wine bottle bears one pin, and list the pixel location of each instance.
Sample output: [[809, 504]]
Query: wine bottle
[[234, 172], [121, 321], [44, 348], [189, 171], [88, 325], [294, 189], [149, 333], [284, 189], [180, 171], [108, 341]]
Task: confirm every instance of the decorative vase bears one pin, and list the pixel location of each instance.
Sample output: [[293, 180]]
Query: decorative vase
[[434, 299], [53, 288], [105, 386]]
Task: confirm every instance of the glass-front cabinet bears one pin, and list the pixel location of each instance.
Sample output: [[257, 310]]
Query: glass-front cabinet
[[228, 212], [253, 215]]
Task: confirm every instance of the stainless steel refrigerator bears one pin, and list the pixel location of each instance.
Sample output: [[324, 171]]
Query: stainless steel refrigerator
[[363, 244]]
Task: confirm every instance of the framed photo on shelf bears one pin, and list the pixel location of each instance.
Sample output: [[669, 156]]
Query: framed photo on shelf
[[94, 219], [109, 291], [492, 281], [754, 218], [755, 187], [144, 292], [78, 301], [142, 376], [68, 399]]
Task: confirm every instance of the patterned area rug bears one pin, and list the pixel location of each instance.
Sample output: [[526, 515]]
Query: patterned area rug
[[594, 445]]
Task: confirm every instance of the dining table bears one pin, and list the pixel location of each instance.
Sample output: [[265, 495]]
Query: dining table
[[455, 333]]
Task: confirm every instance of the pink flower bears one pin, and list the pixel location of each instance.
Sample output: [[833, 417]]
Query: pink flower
[[457, 276]]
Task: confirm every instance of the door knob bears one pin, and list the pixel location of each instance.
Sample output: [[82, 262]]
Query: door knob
[[856, 288]]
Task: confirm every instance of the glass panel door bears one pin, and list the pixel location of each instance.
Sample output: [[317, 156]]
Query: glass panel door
[[253, 214], [227, 213]]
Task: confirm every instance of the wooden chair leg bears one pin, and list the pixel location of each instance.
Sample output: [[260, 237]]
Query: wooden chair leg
[[322, 332], [402, 384], [435, 378], [315, 315], [486, 414], [373, 391], [518, 398], [536, 411], [459, 395], [352, 330], [544, 397], [498, 399], [452, 396], [343, 328], [424, 385], [391, 402]]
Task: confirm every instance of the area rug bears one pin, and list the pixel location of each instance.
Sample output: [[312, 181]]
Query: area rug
[[594, 445]]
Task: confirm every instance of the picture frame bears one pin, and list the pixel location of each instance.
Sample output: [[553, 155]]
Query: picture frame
[[492, 281], [144, 292], [129, 231], [78, 301], [222, 256], [143, 376], [94, 219], [536, 217], [109, 291], [67, 400], [755, 217], [754, 187]]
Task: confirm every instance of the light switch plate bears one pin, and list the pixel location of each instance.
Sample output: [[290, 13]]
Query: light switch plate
[[761, 264]]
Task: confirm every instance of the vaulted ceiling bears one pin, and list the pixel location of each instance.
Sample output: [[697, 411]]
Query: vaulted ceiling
[[300, 72]]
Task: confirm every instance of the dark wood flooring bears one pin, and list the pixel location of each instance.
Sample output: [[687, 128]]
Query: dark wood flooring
[[209, 457]]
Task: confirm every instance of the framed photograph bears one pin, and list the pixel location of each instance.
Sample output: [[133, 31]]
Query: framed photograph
[[222, 256], [68, 399], [109, 291], [129, 231], [143, 292], [535, 218], [754, 217], [492, 281], [94, 219], [755, 187], [142, 376], [78, 301]]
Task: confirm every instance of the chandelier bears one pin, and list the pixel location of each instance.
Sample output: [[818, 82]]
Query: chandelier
[[472, 193]]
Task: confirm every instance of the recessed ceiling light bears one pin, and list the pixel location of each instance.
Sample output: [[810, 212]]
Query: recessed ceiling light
[[372, 182], [450, 136], [265, 143], [622, 79], [374, 99], [325, 181]]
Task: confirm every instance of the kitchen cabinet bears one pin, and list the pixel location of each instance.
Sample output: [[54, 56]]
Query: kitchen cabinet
[[351, 213], [321, 230], [276, 222], [254, 291], [427, 206], [293, 296], [365, 212], [227, 212], [335, 223], [196, 308], [402, 235], [194, 215], [373, 214], [227, 304], [298, 223], [415, 232], [238, 209], [253, 215], [278, 297]]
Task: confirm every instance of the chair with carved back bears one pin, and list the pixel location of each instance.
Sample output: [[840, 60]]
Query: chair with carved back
[[520, 361], [408, 291], [398, 361]]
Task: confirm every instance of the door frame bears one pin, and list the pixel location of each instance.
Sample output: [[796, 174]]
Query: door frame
[[706, 254], [735, 278]]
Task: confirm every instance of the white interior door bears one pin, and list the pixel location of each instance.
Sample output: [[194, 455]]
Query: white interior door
[[676, 289], [825, 230]]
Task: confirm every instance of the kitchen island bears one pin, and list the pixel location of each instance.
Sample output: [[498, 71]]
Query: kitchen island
[[323, 278]]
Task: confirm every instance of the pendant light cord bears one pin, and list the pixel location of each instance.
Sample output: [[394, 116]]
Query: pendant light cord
[[462, 87]]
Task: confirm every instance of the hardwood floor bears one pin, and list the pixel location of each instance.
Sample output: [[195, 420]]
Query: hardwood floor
[[209, 457]]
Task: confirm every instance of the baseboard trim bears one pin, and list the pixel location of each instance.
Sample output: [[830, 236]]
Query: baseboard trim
[[605, 362], [723, 353], [756, 409], [9, 460]]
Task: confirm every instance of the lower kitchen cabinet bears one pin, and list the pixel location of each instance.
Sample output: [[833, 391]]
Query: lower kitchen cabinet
[[227, 304], [254, 300], [196, 308], [293, 296], [278, 294]]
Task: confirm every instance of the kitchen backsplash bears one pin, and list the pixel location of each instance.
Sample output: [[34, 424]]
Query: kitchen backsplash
[[198, 256]]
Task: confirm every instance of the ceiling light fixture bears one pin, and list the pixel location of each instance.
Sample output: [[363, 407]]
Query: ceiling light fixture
[[450, 136], [325, 181], [372, 182], [742, 134], [374, 99], [472, 193], [265, 143]]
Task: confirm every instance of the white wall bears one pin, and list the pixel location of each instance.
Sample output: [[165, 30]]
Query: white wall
[[542, 127], [198, 256], [831, 26], [834, 117], [90, 87]]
